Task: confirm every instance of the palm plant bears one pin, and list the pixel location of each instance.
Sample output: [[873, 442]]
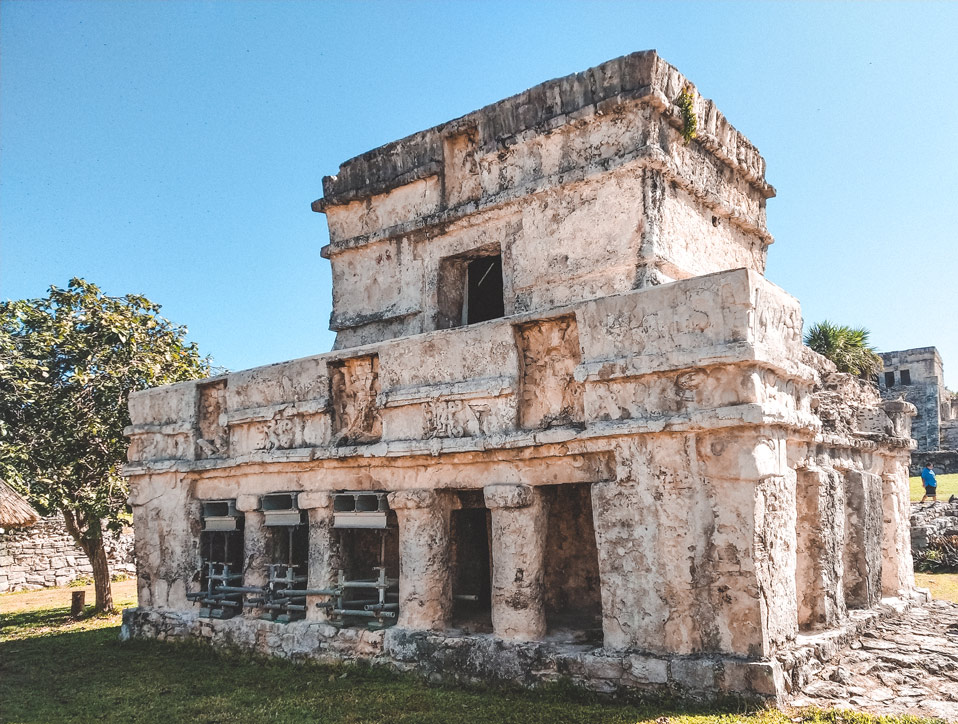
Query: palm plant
[[847, 347]]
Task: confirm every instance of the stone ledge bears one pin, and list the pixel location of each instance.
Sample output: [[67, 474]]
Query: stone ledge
[[474, 658], [810, 651], [646, 156]]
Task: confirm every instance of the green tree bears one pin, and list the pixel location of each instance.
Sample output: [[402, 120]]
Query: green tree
[[847, 347], [68, 362]]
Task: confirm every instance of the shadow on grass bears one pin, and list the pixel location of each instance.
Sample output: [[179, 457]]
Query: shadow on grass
[[90, 675], [36, 618], [37, 622]]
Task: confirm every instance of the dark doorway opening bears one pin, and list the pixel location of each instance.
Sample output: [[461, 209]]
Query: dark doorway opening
[[287, 550], [573, 600], [470, 529], [221, 559], [470, 288]]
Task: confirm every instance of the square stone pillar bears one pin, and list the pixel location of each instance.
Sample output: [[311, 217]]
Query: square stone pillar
[[864, 531], [634, 610], [518, 544], [897, 570], [820, 540], [696, 544], [425, 578], [254, 546], [166, 519], [324, 556]]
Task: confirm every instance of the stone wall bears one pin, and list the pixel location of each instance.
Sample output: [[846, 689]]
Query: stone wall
[[949, 437], [932, 519], [473, 659], [945, 462], [45, 555]]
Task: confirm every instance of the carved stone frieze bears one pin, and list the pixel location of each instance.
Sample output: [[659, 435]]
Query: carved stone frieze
[[549, 393], [212, 439], [355, 388]]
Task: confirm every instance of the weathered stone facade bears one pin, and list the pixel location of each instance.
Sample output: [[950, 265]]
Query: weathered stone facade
[[45, 555], [917, 375], [568, 429]]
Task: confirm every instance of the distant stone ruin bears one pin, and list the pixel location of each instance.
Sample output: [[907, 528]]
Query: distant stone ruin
[[917, 375], [568, 429]]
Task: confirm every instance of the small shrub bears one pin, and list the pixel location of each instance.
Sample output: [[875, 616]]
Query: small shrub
[[690, 121], [940, 557]]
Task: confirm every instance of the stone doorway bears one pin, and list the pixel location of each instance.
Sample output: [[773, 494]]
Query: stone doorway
[[573, 602], [470, 533]]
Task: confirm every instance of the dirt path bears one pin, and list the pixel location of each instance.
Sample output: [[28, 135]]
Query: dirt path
[[124, 594]]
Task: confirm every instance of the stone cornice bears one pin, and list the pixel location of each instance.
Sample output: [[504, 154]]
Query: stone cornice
[[540, 109]]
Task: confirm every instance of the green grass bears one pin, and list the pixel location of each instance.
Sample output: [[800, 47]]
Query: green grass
[[943, 586], [947, 486], [53, 669]]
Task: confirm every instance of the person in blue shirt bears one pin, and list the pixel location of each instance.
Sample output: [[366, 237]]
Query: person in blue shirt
[[931, 485]]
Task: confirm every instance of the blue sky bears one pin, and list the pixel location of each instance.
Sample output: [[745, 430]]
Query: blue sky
[[173, 148]]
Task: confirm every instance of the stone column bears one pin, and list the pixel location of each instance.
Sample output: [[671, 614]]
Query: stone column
[[254, 545], [425, 580], [324, 558], [820, 539], [898, 570], [518, 544], [863, 539]]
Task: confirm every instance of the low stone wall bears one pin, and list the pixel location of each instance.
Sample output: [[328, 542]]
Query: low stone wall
[[944, 461], [45, 555], [932, 519], [473, 659]]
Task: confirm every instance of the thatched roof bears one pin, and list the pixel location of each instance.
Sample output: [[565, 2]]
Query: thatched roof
[[15, 512]]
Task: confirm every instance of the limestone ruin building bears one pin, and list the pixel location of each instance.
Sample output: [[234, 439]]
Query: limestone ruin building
[[918, 376], [568, 429]]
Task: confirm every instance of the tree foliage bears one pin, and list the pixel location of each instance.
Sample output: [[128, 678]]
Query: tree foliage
[[847, 347], [68, 362]]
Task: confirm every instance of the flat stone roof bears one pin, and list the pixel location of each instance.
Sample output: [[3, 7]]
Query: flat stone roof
[[549, 105]]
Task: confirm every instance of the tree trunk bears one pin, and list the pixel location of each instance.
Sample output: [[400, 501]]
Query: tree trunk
[[91, 543], [101, 575]]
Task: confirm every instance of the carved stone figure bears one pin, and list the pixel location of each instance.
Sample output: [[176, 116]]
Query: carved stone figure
[[549, 393], [355, 387]]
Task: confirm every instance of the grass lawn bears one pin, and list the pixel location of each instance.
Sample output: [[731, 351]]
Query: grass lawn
[[947, 486], [943, 586], [53, 669]]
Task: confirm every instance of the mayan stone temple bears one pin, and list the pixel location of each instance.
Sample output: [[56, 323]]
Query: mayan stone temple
[[568, 429]]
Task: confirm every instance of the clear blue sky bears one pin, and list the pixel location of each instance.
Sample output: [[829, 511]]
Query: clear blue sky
[[173, 148]]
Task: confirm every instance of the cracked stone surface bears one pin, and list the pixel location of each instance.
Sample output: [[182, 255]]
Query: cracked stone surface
[[905, 665]]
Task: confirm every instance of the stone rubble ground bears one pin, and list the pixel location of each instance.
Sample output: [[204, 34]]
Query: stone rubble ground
[[904, 665]]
